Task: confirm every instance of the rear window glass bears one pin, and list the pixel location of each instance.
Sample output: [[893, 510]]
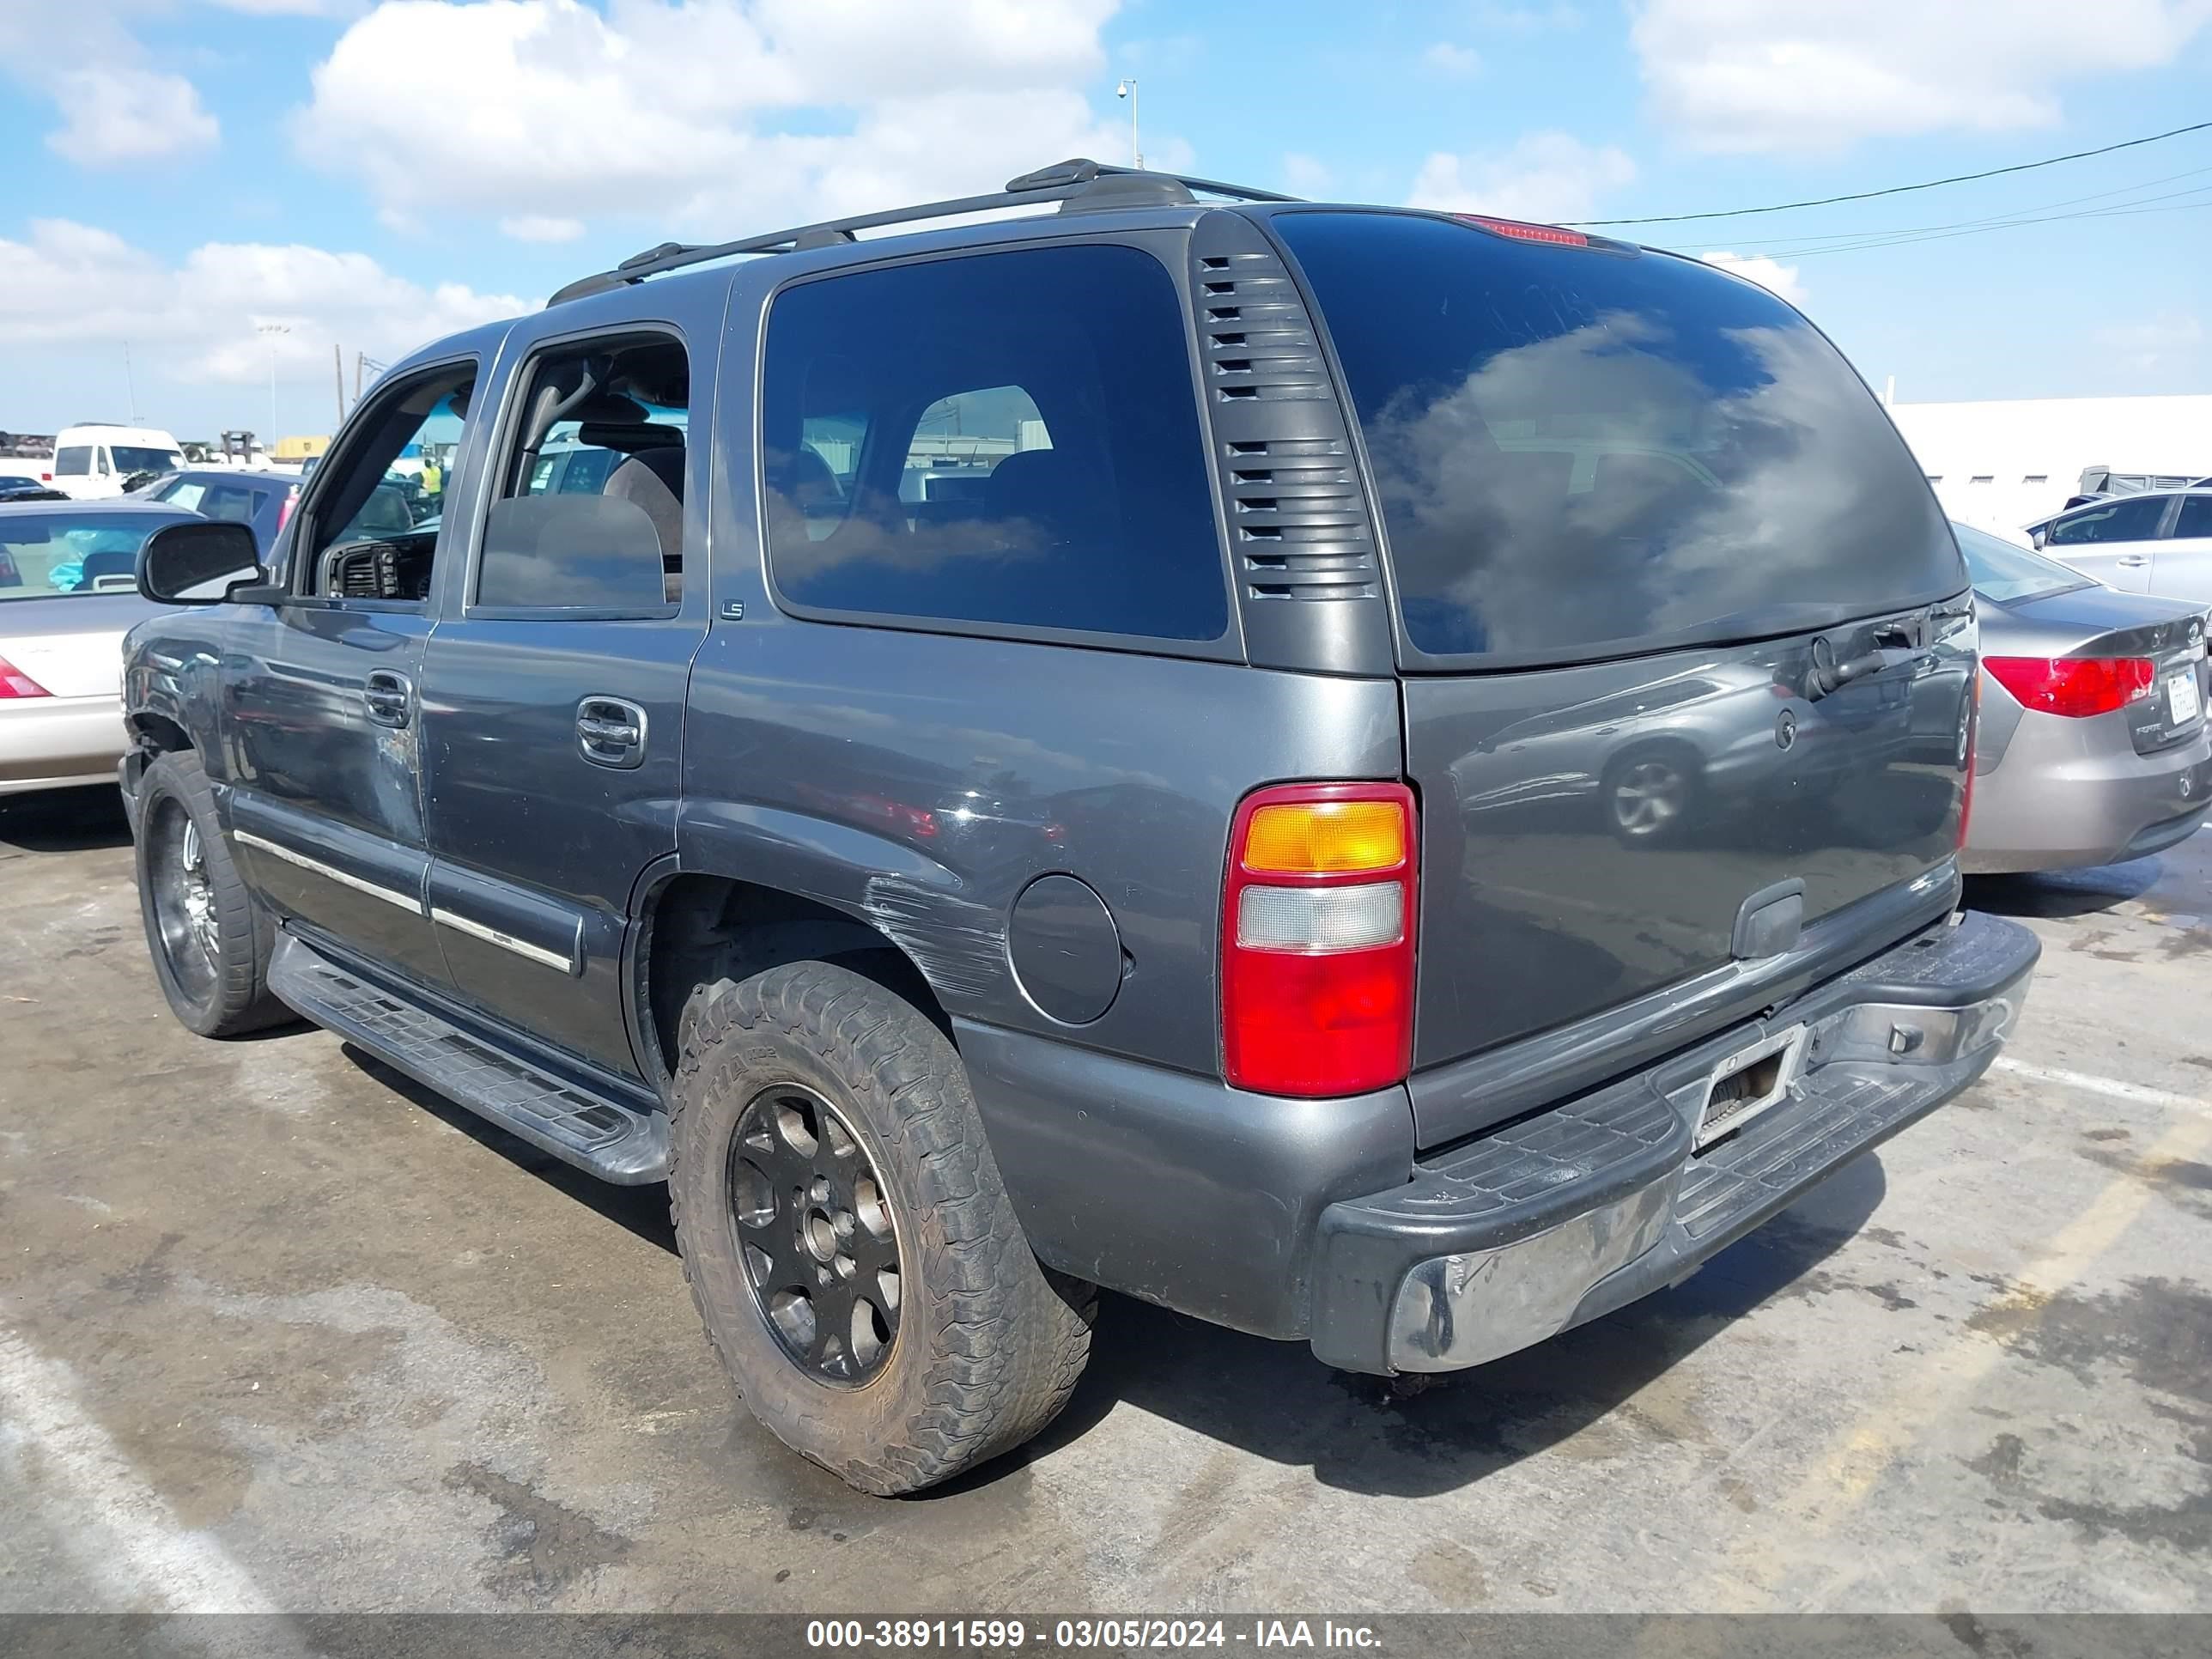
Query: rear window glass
[[1006, 438], [44, 556], [1583, 454], [73, 460], [2002, 573]]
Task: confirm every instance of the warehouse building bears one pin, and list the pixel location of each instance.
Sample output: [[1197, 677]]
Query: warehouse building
[[2003, 465]]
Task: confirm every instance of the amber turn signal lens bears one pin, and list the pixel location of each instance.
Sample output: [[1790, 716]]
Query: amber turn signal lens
[[1326, 837]]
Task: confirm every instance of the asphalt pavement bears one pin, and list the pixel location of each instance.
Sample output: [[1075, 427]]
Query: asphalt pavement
[[279, 1330]]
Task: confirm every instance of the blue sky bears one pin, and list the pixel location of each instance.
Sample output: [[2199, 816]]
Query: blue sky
[[193, 176]]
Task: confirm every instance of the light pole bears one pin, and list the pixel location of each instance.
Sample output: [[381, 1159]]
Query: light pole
[[270, 331], [1128, 89]]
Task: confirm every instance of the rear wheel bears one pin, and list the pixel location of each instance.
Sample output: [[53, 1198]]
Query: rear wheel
[[208, 938], [851, 1249]]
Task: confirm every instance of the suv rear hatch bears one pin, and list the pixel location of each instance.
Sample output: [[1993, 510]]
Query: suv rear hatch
[[1688, 658]]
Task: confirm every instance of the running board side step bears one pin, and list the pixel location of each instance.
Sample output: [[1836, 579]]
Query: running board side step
[[616, 1143]]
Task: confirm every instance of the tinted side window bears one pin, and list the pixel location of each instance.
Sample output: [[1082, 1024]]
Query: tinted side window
[[1009, 437], [590, 512], [2134, 519], [229, 502], [73, 461], [2196, 517]]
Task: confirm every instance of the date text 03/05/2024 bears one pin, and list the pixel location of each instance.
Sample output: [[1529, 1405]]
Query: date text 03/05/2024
[[954, 1634]]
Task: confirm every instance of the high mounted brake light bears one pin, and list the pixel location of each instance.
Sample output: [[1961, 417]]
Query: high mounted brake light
[[1521, 231], [1317, 939]]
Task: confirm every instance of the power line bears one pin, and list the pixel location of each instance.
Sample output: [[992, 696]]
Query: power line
[[1805, 238], [1941, 234], [1900, 189]]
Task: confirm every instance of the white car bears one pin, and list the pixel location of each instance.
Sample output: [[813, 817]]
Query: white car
[[2160, 541], [93, 462]]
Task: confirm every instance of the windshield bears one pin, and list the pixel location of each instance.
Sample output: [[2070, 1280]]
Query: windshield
[[1583, 454], [2002, 573], [49, 555], [130, 458]]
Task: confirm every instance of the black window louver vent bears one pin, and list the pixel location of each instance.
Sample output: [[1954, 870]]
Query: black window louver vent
[[1298, 523]]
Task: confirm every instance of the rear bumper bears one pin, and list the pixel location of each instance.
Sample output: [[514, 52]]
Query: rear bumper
[[2069, 792], [48, 742], [1578, 1209]]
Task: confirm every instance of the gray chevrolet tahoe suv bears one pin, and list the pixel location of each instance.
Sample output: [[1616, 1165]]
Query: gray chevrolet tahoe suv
[[1381, 778]]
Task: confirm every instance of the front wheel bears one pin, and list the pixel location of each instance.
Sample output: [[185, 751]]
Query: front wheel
[[208, 939], [846, 1238]]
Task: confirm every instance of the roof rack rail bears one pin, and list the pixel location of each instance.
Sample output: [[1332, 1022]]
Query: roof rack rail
[[1067, 182]]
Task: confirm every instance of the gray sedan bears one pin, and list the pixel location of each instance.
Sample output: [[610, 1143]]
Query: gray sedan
[[2093, 746], [68, 593]]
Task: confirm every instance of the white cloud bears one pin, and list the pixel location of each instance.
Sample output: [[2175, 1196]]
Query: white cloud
[[73, 284], [1307, 175], [1820, 75], [541, 228], [669, 112], [1508, 19], [115, 116], [116, 108], [1549, 177], [1774, 277], [295, 8], [1445, 57], [2170, 337]]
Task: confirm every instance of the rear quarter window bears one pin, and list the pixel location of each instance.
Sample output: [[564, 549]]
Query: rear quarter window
[[1001, 440], [1583, 454]]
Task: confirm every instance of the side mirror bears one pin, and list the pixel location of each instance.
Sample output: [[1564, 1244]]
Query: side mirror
[[2036, 537], [197, 563]]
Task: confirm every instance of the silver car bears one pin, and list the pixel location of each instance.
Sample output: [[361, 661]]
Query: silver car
[[2093, 746], [68, 592]]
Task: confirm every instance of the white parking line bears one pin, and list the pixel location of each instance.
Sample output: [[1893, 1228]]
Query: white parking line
[[2112, 1088], [117, 1526]]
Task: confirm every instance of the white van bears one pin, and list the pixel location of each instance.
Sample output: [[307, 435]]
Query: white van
[[94, 461]]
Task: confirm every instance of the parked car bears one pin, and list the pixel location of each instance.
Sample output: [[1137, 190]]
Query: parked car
[[95, 461], [2093, 746], [966, 898], [261, 501], [2158, 542], [15, 488], [67, 597]]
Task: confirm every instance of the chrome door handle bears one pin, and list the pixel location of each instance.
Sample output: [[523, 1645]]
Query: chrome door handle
[[610, 732], [390, 697], [2133, 561]]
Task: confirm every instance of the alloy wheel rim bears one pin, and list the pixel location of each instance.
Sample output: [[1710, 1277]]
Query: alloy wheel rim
[[183, 897], [817, 1234]]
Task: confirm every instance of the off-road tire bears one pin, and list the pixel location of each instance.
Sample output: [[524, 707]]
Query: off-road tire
[[989, 1343], [235, 998]]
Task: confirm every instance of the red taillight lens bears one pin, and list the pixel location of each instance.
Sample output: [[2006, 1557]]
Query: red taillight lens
[[1520, 231], [2075, 687], [1317, 939], [15, 682], [284, 513]]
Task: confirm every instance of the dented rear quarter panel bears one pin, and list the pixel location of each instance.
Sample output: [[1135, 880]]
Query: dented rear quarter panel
[[921, 782]]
